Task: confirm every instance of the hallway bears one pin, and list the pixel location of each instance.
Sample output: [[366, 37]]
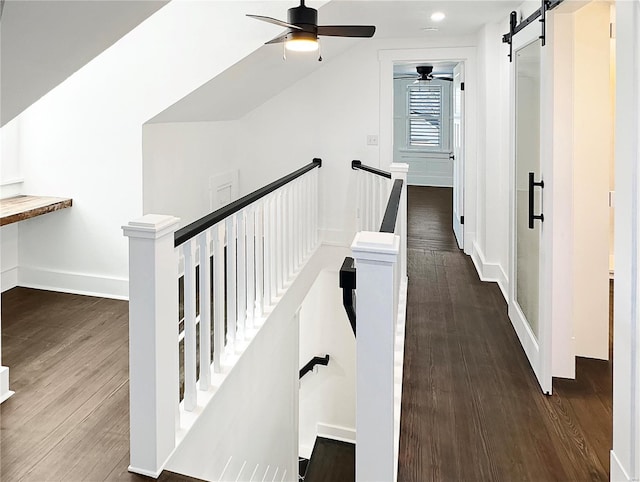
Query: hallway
[[472, 409]]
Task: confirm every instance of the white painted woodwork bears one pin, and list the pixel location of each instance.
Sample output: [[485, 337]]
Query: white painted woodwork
[[231, 283], [458, 152], [251, 267], [218, 295], [241, 274], [375, 255], [260, 260], [204, 249], [153, 341], [190, 393], [400, 171]]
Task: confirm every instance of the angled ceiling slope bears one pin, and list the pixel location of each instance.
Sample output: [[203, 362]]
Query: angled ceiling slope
[[44, 42], [263, 74]]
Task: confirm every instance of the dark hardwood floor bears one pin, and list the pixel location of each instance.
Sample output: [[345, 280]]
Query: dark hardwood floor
[[472, 410], [69, 417], [471, 406], [332, 461]]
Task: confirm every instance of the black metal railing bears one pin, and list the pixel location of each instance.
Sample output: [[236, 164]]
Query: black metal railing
[[186, 233], [391, 213], [372, 170], [348, 285], [316, 360]]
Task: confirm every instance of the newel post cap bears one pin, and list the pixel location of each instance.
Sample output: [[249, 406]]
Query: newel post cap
[[151, 226]]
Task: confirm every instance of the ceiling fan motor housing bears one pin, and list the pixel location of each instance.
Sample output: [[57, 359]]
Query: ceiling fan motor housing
[[303, 17]]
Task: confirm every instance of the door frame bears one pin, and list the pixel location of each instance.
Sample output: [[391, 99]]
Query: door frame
[[466, 55]]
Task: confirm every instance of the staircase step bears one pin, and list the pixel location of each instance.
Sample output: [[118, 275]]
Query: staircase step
[[332, 461]]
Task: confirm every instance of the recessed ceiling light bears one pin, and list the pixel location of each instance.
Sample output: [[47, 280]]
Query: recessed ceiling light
[[437, 16]]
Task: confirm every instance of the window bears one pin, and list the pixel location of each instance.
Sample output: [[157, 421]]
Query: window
[[424, 119]]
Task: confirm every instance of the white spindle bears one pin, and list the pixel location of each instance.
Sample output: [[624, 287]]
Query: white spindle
[[266, 219], [286, 228], [218, 296], [241, 276], [290, 230], [315, 202], [251, 266], [273, 251], [308, 220], [190, 395], [279, 244], [260, 260], [204, 243], [298, 223], [231, 284]]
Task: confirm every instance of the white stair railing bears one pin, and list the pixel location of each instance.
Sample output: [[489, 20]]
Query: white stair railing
[[381, 285], [236, 263]]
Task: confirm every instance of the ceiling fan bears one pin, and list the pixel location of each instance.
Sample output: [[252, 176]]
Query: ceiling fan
[[303, 29], [426, 74]]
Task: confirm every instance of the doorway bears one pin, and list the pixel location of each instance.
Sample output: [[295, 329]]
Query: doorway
[[428, 129]]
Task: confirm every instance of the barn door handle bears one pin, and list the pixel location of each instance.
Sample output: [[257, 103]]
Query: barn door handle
[[532, 185]]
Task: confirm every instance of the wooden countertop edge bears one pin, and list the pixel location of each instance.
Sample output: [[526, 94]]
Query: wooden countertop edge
[[56, 205]]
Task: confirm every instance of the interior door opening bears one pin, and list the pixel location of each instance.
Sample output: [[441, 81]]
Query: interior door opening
[[428, 128]]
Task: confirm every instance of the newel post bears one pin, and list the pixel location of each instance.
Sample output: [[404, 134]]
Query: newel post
[[399, 171], [153, 341], [375, 256]]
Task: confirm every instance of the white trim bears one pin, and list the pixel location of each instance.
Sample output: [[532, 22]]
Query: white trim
[[9, 279], [336, 432], [336, 237], [75, 283], [5, 393], [618, 474], [461, 54], [490, 272], [147, 473]]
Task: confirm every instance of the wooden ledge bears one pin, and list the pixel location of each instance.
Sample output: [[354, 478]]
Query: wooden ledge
[[19, 208]]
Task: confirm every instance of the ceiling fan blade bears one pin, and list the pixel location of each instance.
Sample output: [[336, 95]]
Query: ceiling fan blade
[[400, 77], [440, 77], [347, 30], [274, 21], [279, 39]]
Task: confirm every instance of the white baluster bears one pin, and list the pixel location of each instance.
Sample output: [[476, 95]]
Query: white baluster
[[231, 284], [251, 266], [273, 251], [190, 395], [268, 246], [298, 224], [279, 244], [260, 260], [315, 202], [290, 229], [286, 226], [218, 295], [204, 243], [241, 275], [309, 217]]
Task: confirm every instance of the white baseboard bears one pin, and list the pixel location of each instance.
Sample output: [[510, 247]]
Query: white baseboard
[[336, 432], [4, 384], [490, 271], [336, 237], [618, 474], [76, 283], [9, 279]]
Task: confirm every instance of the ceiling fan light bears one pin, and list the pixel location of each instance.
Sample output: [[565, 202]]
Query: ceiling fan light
[[301, 41], [302, 45]]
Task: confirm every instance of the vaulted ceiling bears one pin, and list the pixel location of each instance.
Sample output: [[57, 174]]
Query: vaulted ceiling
[[44, 41]]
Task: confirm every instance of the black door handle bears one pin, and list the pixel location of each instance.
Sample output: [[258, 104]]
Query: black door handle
[[532, 185], [452, 157]]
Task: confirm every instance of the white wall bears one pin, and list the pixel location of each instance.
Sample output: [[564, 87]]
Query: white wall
[[327, 395], [592, 158], [179, 163], [491, 250], [84, 138]]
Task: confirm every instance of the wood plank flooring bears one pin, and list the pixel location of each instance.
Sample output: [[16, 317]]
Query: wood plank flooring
[[68, 359], [472, 410], [471, 407], [332, 461]]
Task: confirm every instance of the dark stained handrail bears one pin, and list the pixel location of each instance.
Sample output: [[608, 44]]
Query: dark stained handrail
[[391, 214], [192, 230], [372, 170]]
